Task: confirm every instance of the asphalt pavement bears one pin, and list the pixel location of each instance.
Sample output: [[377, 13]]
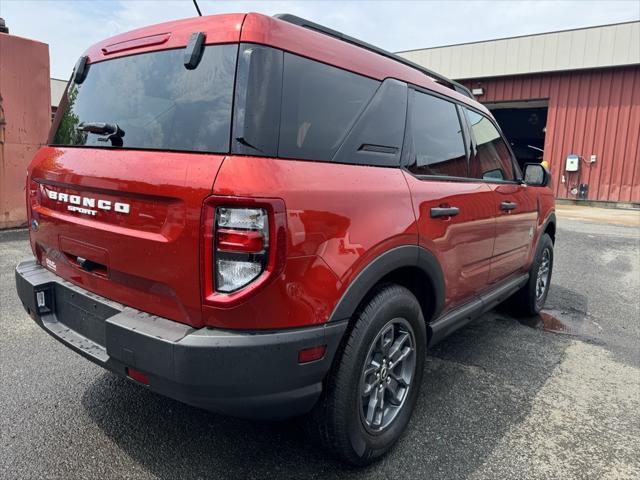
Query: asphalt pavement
[[556, 396]]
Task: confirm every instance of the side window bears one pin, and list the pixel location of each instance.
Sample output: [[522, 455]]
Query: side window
[[492, 160], [319, 106], [377, 137], [438, 144], [256, 117]]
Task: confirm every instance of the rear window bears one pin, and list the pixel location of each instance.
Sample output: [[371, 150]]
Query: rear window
[[155, 100]]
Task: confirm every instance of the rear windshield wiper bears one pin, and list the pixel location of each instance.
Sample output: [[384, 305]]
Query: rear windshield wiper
[[112, 131]]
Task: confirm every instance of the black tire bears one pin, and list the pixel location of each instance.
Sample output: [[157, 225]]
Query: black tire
[[528, 301], [340, 419]]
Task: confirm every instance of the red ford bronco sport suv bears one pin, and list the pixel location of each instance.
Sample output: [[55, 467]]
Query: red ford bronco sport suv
[[266, 218]]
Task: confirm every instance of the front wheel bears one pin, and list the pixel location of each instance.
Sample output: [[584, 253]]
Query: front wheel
[[373, 387], [530, 299]]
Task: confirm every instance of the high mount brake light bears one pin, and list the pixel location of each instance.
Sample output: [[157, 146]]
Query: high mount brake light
[[243, 245]]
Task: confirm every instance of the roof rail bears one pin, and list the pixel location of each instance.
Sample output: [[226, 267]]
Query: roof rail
[[301, 22]]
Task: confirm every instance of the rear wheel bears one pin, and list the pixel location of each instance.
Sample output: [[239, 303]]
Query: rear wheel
[[530, 299], [374, 384]]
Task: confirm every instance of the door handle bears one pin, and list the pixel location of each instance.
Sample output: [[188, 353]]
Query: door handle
[[444, 212], [506, 206]]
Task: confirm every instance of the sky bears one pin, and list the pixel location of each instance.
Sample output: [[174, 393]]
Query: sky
[[70, 26]]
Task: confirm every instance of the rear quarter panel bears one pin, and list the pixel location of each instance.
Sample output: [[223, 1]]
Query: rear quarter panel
[[339, 218]]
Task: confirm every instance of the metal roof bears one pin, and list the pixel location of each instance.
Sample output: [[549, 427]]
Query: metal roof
[[584, 48]]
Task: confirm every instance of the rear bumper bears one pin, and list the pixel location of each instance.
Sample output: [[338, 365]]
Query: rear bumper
[[253, 375]]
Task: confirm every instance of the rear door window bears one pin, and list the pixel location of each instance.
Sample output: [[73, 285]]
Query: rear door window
[[320, 104], [492, 159], [438, 143], [155, 100]]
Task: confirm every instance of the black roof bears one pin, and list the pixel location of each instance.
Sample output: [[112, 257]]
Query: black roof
[[286, 17]]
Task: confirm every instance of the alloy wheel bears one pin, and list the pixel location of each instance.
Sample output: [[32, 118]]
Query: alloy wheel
[[544, 270], [388, 371]]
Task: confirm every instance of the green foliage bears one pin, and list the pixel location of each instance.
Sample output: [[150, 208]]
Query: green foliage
[[67, 132]]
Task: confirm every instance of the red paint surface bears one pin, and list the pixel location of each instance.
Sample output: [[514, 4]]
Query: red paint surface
[[462, 244], [328, 221], [217, 29], [330, 237], [151, 254], [590, 112]]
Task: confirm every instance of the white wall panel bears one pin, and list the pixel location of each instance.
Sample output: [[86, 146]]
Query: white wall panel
[[594, 47]]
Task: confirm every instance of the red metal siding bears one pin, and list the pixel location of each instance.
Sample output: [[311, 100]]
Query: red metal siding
[[593, 112]]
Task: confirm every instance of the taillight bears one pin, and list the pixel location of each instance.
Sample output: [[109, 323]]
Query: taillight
[[243, 245]]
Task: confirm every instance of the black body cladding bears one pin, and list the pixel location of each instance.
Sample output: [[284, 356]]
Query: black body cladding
[[256, 375]]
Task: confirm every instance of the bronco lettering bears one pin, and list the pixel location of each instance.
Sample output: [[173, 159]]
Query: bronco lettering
[[107, 205]]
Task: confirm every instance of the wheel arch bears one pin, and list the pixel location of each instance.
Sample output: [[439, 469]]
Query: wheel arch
[[549, 227], [411, 266]]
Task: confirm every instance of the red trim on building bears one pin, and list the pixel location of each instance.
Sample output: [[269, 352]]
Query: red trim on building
[[591, 112]]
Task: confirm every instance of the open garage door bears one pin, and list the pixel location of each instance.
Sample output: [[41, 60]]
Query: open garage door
[[524, 125]]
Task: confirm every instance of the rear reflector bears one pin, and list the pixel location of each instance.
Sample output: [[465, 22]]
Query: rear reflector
[[245, 241], [311, 354], [138, 376]]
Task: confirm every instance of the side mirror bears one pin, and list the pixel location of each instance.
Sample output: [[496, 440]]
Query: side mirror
[[536, 175]]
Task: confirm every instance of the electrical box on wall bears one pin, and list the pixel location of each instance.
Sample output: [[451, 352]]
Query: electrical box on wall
[[573, 162]]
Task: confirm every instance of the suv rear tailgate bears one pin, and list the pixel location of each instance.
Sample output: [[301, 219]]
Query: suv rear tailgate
[[145, 255]]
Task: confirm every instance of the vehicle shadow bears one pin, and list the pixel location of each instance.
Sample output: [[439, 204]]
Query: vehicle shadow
[[478, 383]]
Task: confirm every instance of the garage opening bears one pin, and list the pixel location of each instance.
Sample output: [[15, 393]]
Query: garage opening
[[524, 125]]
